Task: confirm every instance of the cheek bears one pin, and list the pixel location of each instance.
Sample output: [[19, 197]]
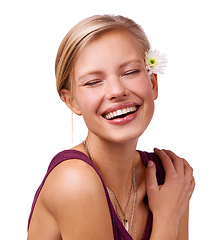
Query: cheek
[[88, 104], [145, 92], [144, 89]]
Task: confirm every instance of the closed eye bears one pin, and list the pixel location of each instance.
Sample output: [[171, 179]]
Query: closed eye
[[132, 72], [92, 83]]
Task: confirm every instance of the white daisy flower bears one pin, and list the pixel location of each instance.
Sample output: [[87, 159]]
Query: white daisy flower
[[155, 62]]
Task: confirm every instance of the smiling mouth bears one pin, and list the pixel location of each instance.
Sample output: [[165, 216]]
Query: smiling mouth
[[120, 113]]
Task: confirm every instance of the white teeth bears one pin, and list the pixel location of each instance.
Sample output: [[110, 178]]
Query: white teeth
[[120, 112]]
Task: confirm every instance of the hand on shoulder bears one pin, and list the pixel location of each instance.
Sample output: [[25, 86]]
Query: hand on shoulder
[[169, 201], [75, 196]]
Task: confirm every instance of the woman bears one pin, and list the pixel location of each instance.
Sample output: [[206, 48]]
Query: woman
[[104, 188]]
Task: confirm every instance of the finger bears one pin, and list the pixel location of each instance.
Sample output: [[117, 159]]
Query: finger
[[177, 161], [192, 187], [193, 184], [188, 171], [151, 179], [166, 161]]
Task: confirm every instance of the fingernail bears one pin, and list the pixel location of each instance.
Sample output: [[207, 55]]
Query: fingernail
[[150, 163]]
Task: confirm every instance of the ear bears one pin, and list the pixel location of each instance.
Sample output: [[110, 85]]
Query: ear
[[71, 103], [153, 78]]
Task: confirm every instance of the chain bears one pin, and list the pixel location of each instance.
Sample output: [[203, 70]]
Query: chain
[[116, 202]]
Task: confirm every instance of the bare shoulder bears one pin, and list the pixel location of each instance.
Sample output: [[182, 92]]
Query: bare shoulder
[[73, 193], [72, 176]]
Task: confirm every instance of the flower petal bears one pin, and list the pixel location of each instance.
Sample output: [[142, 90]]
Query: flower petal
[[155, 63]]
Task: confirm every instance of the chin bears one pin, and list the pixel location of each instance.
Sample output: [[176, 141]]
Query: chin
[[122, 133], [121, 137]]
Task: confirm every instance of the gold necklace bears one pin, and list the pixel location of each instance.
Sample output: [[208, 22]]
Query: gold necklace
[[125, 221], [116, 202]]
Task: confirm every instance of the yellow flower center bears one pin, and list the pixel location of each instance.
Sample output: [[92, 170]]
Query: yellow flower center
[[152, 61]]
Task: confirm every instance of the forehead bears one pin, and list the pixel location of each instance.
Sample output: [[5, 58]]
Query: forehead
[[111, 49]]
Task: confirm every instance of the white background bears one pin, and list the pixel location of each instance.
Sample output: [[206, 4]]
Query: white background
[[35, 124]]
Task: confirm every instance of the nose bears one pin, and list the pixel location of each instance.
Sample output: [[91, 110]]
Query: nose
[[116, 89]]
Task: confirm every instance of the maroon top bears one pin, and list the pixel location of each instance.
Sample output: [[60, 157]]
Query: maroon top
[[119, 231]]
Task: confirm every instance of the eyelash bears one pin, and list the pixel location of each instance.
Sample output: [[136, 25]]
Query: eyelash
[[132, 72], [92, 83], [95, 82]]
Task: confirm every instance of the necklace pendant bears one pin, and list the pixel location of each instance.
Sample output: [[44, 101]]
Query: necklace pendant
[[126, 225]]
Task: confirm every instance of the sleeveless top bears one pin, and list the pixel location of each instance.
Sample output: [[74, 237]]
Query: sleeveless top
[[119, 231]]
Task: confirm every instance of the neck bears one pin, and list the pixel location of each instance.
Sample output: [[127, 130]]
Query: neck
[[114, 162]]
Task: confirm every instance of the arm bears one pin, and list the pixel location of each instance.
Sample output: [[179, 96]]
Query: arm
[[169, 232], [183, 226], [169, 202], [74, 195]]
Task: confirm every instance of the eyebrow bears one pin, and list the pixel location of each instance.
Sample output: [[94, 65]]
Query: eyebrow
[[89, 74], [130, 62], [120, 67]]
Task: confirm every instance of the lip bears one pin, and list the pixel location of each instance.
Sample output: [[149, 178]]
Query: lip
[[124, 120]]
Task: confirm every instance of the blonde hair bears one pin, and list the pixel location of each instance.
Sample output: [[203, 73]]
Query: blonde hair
[[83, 33]]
